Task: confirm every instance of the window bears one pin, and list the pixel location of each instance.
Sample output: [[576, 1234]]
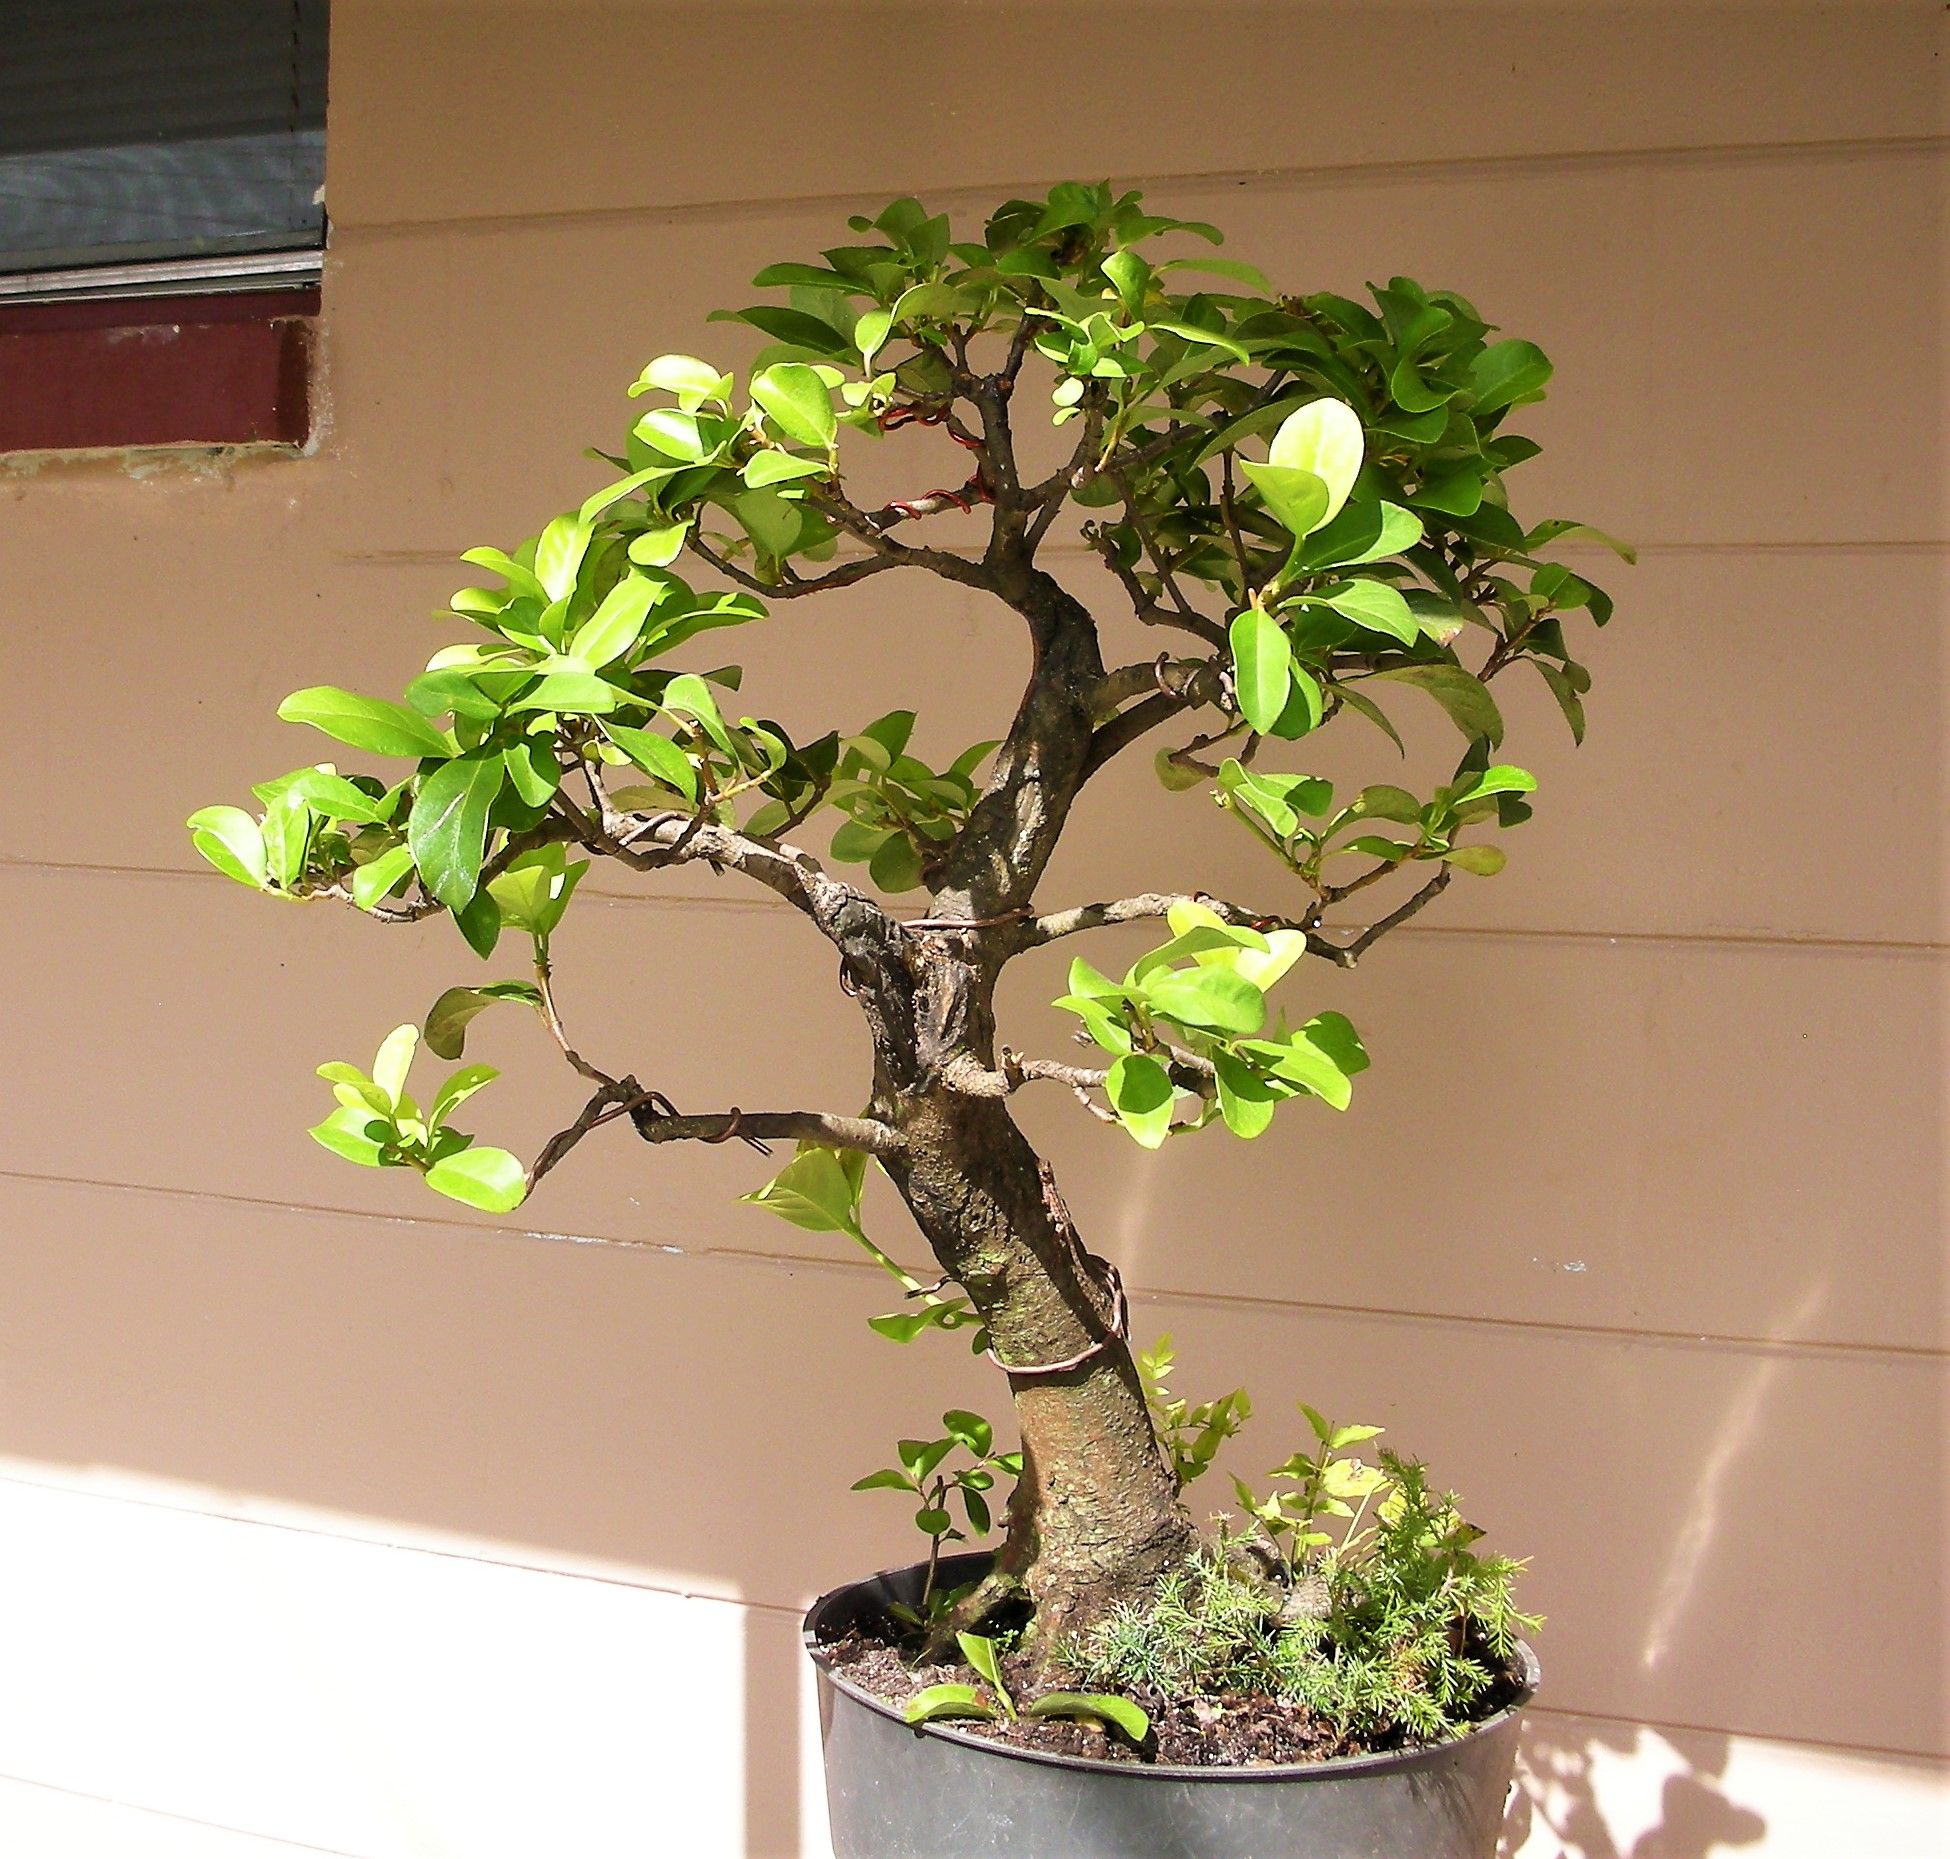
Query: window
[[162, 219]]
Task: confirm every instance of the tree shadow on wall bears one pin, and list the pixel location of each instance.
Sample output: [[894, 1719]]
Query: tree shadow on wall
[[1556, 1813]]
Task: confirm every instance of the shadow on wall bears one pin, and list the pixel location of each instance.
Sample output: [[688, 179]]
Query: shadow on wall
[[1554, 1811]]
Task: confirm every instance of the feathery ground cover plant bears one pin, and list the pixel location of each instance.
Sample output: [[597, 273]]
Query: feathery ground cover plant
[[1305, 495]]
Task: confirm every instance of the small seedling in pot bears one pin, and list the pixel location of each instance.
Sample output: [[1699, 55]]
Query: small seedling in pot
[[957, 1700]]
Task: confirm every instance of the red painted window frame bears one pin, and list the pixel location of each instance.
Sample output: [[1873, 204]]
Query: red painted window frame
[[229, 368]]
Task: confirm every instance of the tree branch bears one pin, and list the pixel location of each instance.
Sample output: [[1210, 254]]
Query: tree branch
[[656, 1120], [1346, 955], [1039, 930]]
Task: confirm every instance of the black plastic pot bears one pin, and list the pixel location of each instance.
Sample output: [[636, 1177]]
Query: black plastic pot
[[936, 1792]]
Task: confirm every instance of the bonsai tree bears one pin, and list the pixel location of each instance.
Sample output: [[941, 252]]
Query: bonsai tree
[[1306, 497]]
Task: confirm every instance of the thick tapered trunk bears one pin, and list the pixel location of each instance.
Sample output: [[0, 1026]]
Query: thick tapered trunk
[[1097, 1517]]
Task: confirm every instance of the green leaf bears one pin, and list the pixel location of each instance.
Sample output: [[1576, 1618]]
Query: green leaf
[[490, 1179], [896, 864], [1324, 439], [1373, 605], [1367, 707], [369, 723], [449, 1016], [887, 1479], [456, 1091], [1213, 998], [982, 1655], [691, 380], [357, 1135], [447, 828], [1140, 1091], [970, 1430], [558, 555], [1297, 499], [1471, 708], [688, 695], [659, 546], [372, 882], [1566, 693], [798, 402], [1094, 1705], [1334, 1034], [232, 841], [658, 757], [769, 467], [1365, 531], [617, 624], [1480, 861], [1262, 667], [1502, 779], [394, 1061], [1506, 373], [947, 1701], [1246, 1101], [534, 890], [816, 1190], [1299, 1062]]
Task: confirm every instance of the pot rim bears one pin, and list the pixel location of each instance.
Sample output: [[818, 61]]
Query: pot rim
[[1327, 1769]]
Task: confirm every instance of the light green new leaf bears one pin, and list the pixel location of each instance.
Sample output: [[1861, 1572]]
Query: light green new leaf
[[1373, 605], [447, 828], [1218, 999], [691, 380], [816, 1190], [372, 882], [1324, 438], [1297, 499], [357, 1135], [617, 624], [232, 841], [798, 402], [659, 547], [1246, 1101], [1502, 779], [1140, 1091], [369, 723], [1262, 667], [456, 1091], [768, 467], [534, 889], [1480, 861], [490, 1179], [394, 1061], [559, 553]]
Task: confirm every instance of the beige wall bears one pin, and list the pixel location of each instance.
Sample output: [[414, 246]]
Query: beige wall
[[334, 1521]]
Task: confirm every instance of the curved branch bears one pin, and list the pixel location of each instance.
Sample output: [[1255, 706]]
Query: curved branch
[[1345, 955], [1039, 930], [657, 1120]]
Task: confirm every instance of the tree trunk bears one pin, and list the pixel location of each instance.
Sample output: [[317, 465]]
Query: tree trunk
[[1096, 1517]]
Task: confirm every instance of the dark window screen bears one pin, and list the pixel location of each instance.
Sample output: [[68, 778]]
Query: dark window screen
[[145, 130]]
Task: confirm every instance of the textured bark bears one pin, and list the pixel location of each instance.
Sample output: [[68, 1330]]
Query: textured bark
[[1097, 1515]]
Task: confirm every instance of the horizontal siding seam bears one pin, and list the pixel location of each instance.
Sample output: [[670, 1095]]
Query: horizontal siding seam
[[790, 1263], [1323, 176], [1754, 940]]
